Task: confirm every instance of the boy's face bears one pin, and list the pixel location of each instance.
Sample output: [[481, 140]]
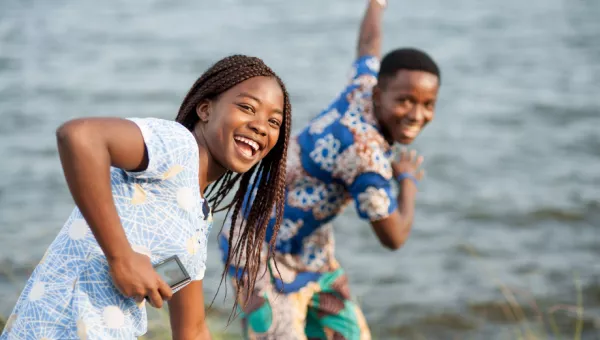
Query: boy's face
[[405, 103]]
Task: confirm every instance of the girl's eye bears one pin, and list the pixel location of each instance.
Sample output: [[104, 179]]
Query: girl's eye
[[246, 107], [275, 122]]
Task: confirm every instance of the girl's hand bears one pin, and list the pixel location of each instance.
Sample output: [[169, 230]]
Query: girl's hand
[[134, 277]]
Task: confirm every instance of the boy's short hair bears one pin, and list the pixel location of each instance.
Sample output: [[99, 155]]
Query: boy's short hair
[[407, 59]]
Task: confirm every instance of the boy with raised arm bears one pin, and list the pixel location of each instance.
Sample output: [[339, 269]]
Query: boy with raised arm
[[343, 155]]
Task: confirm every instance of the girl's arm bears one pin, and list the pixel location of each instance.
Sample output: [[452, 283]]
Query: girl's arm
[[186, 310], [87, 148]]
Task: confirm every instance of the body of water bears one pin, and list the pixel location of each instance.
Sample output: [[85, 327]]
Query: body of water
[[510, 206]]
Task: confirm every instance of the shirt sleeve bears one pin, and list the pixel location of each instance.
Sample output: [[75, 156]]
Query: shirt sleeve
[[367, 174], [364, 71], [373, 196], [170, 146]]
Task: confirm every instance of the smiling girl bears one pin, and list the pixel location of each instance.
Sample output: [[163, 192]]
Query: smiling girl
[[139, 186]]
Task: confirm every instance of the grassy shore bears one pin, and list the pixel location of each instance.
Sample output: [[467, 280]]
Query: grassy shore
[[521, 320], [517, 316]]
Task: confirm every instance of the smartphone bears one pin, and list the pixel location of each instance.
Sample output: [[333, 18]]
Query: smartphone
[[173, 272]]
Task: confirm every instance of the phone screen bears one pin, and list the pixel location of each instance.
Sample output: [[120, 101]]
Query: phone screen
[[171, 272]]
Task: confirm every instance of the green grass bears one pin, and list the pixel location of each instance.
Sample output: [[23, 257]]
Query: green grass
[[158, 325], [532, 322], [522, 317], [527, 321]]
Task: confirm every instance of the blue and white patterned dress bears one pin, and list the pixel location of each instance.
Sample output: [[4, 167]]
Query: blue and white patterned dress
[[70, 294]]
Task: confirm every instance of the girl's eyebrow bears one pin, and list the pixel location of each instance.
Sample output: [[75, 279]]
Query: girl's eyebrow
[[248, 95]]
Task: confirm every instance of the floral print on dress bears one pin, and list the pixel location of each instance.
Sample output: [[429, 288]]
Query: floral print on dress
[[70, 294]]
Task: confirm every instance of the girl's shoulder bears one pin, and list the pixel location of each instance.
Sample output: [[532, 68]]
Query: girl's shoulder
[[167, 133], [163, 128], [169, 144]]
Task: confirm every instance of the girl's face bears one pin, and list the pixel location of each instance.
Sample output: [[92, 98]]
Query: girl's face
[[243, 124]]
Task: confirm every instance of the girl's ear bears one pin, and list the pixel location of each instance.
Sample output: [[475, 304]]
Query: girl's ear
[[203, 110]]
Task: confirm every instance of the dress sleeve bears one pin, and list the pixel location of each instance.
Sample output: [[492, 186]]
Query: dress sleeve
[[168, 143]]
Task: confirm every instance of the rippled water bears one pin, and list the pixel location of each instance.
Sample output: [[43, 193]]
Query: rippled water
[[512, 158]]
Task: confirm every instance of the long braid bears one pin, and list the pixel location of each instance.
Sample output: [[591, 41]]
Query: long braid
[[270, 172]]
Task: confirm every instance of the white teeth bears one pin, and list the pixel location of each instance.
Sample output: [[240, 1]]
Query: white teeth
[[412, 127], [254, 145]]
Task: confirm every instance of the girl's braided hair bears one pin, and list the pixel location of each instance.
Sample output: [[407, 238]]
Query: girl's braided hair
[[270, 179]]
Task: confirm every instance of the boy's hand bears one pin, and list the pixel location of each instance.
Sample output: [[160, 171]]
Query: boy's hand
[[408, 163]]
